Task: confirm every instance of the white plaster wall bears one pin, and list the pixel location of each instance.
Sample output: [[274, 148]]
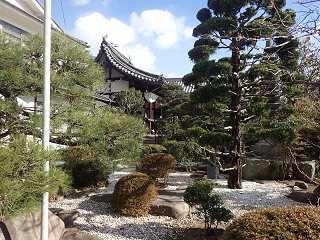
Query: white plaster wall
[[22, 20], [120, 85], [115, 73]]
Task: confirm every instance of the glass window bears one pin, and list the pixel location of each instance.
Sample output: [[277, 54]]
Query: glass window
[[11, 29], [9, 37], [12, 33]]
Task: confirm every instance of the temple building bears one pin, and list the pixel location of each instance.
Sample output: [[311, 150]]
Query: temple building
[[121, 74]]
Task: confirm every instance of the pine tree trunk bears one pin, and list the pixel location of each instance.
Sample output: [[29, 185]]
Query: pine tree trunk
[[235, 176]]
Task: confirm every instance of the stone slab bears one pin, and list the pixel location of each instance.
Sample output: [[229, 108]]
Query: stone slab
[[82, 195], [170, 203], [302, 196], [101, 197], [75, 234], [28, 227], [307, 168], [68, 216], [255, 169]]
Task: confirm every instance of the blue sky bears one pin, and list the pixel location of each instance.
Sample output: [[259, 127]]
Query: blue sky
[[156, 35]]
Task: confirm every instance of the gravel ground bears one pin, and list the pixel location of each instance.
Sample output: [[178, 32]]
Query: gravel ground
[[97, 218]]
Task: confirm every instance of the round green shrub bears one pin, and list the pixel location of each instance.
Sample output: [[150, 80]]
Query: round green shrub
[[288, 222], [86, 170], [152, 148], [133, 194], [157, 165]]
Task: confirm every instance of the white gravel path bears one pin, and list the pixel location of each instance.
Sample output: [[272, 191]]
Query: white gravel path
[[97, 218]]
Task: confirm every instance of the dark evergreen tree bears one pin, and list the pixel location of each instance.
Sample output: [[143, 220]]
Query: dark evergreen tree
[[172, 100], [230, 90]]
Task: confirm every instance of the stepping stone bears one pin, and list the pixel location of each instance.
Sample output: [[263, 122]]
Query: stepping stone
[[198, 174], [304, 196], [55, 210], [101, 197], [301, 184], [83, 194], [170, 203], [75, 234], [68, 216]]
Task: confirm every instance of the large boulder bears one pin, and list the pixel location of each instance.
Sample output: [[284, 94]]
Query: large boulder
[[305, 170], [28, 226], [262, 148], [255, 169], [170, 203], [304, 196], [316, 194], [303, 192], [263, 169], [68, 216]]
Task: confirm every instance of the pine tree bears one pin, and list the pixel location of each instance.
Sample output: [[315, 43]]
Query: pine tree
[[232, 87]]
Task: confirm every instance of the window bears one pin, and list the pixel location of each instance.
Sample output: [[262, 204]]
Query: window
[[11, 32]]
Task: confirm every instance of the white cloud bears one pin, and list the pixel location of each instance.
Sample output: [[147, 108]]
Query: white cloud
[[106, 2], [141, 56], [162, 27], [79, 2], [92, 27]]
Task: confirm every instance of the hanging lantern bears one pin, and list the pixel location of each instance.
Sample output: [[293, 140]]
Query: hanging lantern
[[150, 97]]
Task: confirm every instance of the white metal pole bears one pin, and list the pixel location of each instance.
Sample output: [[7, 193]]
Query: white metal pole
[[46, 112]]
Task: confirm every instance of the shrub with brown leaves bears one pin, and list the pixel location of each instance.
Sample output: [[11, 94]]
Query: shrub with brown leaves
[[288, 222]]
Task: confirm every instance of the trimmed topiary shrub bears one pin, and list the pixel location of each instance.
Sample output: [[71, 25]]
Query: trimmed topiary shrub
[[133, 195], [288, 222], [157, 165], [86, 170], [152, 148]]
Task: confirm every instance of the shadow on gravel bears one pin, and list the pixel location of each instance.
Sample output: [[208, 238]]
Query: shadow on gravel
[[100, 218]]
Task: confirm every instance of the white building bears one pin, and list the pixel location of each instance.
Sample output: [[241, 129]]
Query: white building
[[19, 17]]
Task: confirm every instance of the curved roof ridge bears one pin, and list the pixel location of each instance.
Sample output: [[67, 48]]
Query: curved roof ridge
[[122, 63], [124, 58]]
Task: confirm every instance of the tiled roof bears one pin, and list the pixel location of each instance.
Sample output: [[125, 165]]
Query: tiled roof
[[187, 89], [109, 56]]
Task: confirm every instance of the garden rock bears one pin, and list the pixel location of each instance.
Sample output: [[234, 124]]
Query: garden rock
[[203, 167], [101, 197], [316, 192], [82, 195], [255, 169], [304, 196], [170, 203], [198, 174], [28, 226], [301, 184], [262, 148], [68, 216], [75, 234], [307, 167]]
